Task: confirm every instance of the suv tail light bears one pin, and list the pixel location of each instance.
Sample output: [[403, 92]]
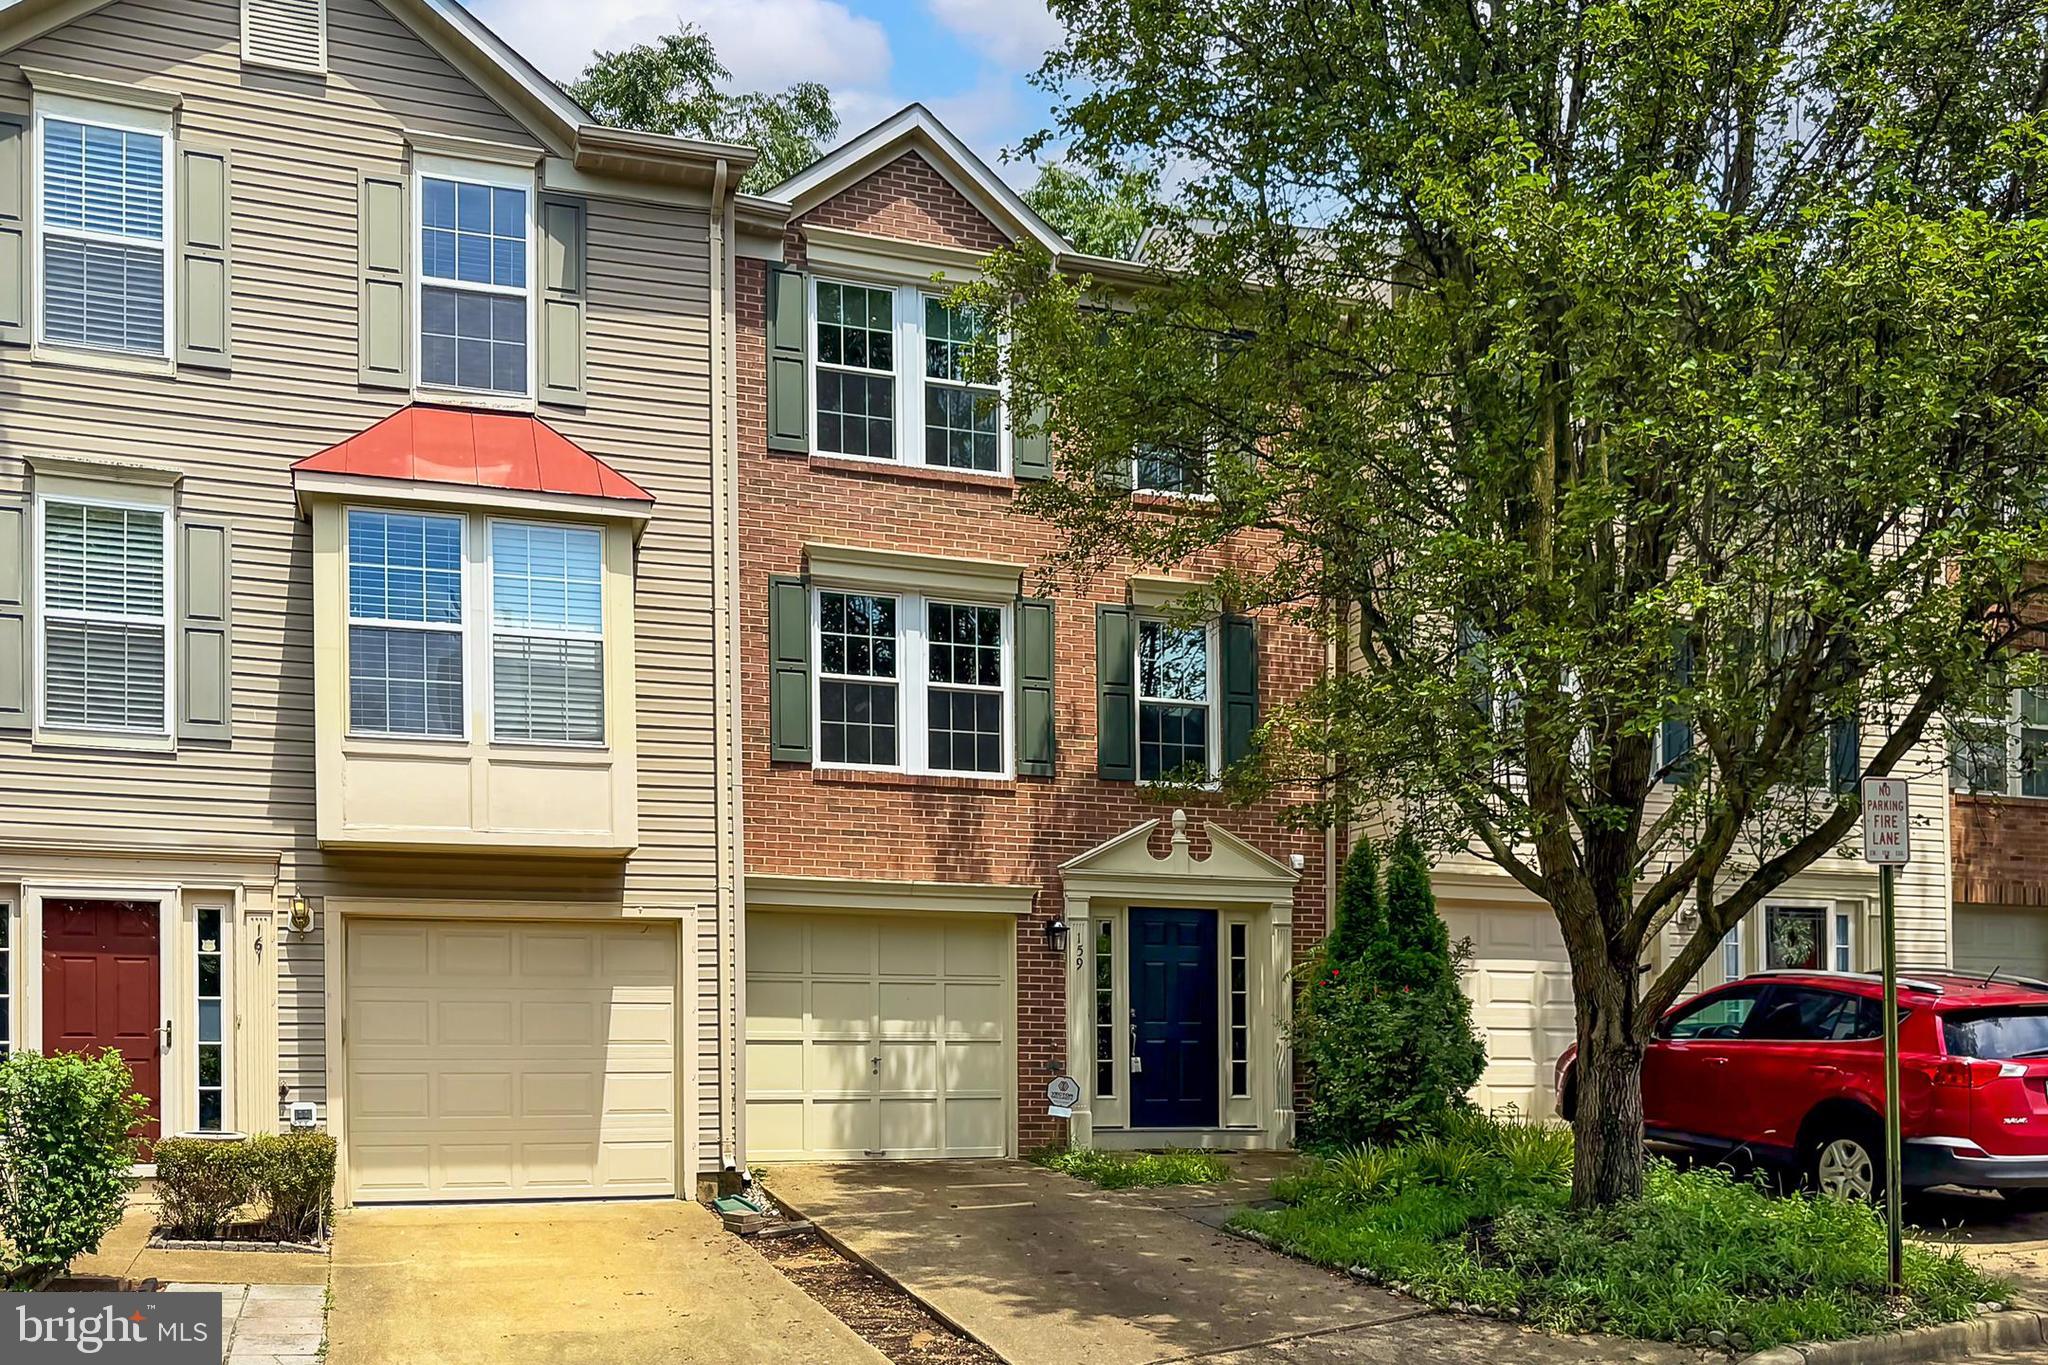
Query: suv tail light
[[1971, 1073]]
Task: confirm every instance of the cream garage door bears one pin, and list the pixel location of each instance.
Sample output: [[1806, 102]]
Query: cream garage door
[[877, 1036], [510, 1061], [1520, 982], [2015, 941]]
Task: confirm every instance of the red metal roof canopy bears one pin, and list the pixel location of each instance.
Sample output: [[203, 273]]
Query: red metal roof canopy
[[478, 449]]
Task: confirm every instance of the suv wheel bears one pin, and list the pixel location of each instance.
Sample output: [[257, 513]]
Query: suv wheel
[[1847, 1164]]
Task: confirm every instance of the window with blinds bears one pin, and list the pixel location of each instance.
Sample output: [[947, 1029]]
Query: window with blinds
[[105, 238], [405, 672], [547, 633], [105, 616]]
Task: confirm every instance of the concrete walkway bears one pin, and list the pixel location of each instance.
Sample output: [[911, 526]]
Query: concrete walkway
[[567, 1284], [1045, 1270], [267, 1324]]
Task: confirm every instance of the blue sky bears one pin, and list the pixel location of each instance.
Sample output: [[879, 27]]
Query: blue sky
[[966, 59]]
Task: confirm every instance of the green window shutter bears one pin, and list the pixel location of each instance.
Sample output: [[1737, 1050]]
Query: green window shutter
[[1031, 450], [789, 427], [1676, 736], [385, 320], [205, 297], [564, 257], [1240, 687], [15, 200], [16, 706], [1845, 754], [1116, 697], [1035, 731], [205, 665], [789, 671]]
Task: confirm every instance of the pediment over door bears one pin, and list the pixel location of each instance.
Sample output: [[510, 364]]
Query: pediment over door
[[1234, 870]]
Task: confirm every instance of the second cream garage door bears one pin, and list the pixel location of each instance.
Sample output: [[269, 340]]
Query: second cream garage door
[[510, 1061], [1520, 981], [877, 1036]]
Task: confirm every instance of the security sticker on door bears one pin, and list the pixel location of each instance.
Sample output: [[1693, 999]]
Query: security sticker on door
[[1062, 1093]]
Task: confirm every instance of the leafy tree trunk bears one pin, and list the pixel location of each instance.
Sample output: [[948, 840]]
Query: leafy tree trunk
[[1607, 1165]]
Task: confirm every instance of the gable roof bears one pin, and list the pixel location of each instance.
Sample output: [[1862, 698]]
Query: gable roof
[[470, 45], [915, 128], [502, 450]]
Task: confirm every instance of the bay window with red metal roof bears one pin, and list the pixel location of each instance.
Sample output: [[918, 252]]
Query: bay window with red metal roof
[[473, 636]]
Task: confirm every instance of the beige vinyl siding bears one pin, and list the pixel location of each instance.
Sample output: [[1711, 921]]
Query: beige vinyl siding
[[299, 145], [710, 1036]]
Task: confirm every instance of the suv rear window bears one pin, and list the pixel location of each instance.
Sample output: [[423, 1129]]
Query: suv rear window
[[1996, 1035]]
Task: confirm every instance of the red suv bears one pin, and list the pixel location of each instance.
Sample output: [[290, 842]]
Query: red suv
[[1788, 1068]]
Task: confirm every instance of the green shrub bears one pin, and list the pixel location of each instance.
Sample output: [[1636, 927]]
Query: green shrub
[[1477, 1214], [201, 1183], [67, 1143], [294, 1176], [1132, 1170], [1382, 1032]]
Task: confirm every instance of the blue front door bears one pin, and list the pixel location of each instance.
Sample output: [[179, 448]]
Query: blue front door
[[1173, 1010]]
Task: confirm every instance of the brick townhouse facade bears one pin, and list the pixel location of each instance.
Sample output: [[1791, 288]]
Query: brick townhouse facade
[[951, 905]]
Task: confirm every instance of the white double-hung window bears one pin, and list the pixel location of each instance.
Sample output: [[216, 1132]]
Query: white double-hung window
[[1176, 702], [103, 217], [475, 265], [405, 610], [889, 380], [547, 633], [105, 589], [912, 683], [2003, 753]]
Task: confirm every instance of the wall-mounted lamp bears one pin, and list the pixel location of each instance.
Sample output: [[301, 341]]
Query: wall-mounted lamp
[[1056, 935], [299, 915]]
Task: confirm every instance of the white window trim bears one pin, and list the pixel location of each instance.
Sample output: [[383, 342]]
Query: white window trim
[[2009, 724], [1733, 941], [226, 953], [1139, 488], [168, 622], [489, 653], [460, 629], [10, 993], [1228, 926], [1212, 685], [913, 687], [909, 379], [425, 168], [127, 119], [1829, 912]]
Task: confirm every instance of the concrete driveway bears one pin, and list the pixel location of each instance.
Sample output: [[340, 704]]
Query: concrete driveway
[[1045, 1270], [567, 1284]]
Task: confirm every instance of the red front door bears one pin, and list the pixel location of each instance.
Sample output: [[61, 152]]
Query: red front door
[[101, 988]]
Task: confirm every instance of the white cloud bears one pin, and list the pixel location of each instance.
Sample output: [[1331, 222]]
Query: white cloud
[[767, 43], [1016, 33]]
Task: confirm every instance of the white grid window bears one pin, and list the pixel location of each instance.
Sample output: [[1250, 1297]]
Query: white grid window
[[912, 684], [475, 304], [405, 613], [962, 421], [547, 633], [1843, 944], [1731, 954], [210, 1030], [105, 631], [103, 193], [1240, 1012], [888, 380], [1175, 714], [2003, 755]]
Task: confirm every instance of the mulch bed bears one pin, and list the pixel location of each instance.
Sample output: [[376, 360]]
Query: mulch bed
[[883, 1315]]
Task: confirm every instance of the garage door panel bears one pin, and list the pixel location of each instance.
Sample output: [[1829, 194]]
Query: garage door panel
[[489, 1077], [2014, 941], [1519, 983], [924, 995], [842, 1008]]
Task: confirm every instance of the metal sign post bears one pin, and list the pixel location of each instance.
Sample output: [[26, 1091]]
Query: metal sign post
[[1887, 842]]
